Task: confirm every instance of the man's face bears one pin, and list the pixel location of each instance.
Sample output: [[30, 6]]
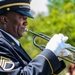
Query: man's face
[[16, 24]]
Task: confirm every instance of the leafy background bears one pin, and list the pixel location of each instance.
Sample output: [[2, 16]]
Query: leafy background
[[61, 19]]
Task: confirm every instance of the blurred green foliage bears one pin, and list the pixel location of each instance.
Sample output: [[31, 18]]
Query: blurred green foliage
[[61, 19]]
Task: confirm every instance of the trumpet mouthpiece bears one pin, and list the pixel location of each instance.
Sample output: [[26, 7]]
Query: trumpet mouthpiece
[[26, 29]]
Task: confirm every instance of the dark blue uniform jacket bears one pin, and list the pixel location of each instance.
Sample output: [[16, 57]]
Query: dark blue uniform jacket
[[15, 61]]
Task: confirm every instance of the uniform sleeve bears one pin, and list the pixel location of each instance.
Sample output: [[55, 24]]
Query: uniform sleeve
[[46, 63]]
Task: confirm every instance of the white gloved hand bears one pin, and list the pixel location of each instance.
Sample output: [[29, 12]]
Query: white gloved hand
[[65, 53], [57, 44]]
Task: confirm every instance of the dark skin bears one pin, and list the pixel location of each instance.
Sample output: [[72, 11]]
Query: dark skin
[[13, 23]]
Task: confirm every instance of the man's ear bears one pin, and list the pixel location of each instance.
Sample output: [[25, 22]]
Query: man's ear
[[3, 19]]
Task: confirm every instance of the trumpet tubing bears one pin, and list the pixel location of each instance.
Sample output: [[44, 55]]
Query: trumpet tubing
[[40, 35], [67, 58]]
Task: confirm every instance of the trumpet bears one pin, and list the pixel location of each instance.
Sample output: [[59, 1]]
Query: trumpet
[[43, 36]]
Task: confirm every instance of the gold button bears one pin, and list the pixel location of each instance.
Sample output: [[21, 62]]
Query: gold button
[[8, 9], [13, 43]]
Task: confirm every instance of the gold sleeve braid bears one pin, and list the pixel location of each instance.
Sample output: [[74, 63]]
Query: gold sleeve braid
[[48, 63]]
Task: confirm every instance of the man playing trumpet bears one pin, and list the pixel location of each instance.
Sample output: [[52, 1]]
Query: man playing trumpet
[[13, 58]]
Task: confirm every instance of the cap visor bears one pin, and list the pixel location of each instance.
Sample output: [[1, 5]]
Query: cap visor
[[26, 13]]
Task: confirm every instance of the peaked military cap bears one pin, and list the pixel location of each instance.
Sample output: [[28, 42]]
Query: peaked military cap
[[20, 6]]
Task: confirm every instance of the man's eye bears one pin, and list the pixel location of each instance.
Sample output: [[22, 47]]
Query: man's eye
[[24, 17]]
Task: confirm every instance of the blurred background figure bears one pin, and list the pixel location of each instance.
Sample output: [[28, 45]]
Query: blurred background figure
[[71, 69]]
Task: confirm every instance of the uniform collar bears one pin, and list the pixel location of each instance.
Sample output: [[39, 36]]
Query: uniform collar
[[16, 41]]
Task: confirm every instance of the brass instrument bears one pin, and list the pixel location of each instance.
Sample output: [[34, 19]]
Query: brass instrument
[[71, 49]]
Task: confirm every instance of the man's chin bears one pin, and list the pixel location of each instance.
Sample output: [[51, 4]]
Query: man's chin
[[21, 35]]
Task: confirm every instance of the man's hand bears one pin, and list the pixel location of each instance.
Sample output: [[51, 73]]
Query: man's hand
[[58, 46]]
